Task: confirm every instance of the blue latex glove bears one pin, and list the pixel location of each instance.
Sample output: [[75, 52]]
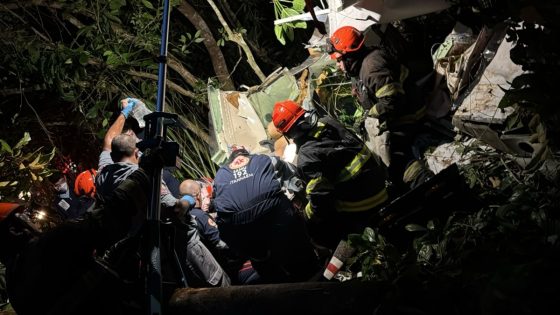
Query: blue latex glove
[[131, 103], [189, 199]]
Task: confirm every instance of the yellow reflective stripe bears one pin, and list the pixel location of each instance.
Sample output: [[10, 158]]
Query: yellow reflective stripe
[[364, 204], [373, 112], [318, 130], [404, 74], [319, 182], [308, 211], [355, 166], [389, 89], [313, 184]]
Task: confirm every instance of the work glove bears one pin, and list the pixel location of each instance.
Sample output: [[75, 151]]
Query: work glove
[[130, 104]]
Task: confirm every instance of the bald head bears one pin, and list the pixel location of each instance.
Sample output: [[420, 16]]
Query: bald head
[[189, 187]]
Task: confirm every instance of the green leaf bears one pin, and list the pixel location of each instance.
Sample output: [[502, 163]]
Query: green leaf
[[23, 141], [369, 234], [147, 4], [300, 24], [414, 228], [287, 12], [83, 59], [199, 40], [279, 31], [6, 147], [105, 122], [290, 33], [298, 5], [115, 5]]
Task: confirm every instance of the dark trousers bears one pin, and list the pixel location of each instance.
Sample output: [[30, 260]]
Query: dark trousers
[[277, 244], [401, 143]]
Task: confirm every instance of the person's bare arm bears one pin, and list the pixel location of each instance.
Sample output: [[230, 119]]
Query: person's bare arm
[[115, 130], [117, 126]]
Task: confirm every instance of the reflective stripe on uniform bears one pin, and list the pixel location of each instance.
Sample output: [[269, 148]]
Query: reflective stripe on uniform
[[318, 130], [355, 166], [319, 182], [389, 90], [364, 204], [395, 87], [312, 185], [308, 211]]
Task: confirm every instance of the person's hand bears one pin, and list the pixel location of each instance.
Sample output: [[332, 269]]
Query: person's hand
[[187, 201], [128, 105], [183, 206]]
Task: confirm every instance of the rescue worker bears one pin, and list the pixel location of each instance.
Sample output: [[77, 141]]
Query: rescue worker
[[84, 189], [122, 148], [56, 272], [381, 84], [345, 182], [73, 198], [256, 218], [204, 246], [210, 234]]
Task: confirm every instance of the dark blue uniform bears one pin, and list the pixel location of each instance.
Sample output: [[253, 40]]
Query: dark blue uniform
[[207, 227], [257, 219]]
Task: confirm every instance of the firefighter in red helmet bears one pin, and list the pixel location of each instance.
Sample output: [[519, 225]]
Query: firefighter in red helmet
[[345, 182], [386, 92]]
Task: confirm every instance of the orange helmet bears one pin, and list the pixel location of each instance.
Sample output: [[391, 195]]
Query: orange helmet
[[345, 40], [285, 114], [6, 208], [85, 183]]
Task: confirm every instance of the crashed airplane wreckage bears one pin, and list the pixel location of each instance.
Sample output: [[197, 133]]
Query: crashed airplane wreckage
[[472, 74]]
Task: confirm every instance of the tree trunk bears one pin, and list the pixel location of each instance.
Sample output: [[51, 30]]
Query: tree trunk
[[214, 51], [322, 298]]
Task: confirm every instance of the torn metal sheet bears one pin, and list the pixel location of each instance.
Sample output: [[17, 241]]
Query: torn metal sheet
[[242, 118], [481, 103], [478, 113], [364, 13]]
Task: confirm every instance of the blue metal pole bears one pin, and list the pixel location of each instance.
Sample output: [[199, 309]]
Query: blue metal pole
[[152, 256]]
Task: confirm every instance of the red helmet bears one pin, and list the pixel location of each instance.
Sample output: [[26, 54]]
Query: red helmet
[[85, 183], [345, 40], [285, 114]]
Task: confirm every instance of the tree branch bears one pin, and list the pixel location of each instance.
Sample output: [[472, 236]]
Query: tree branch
[[172, 85], [239, 40], [215, 53], [261, 53]]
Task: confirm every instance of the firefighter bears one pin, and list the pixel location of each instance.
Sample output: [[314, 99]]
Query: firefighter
[[384, 90], [256, 218], [345, 182]]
